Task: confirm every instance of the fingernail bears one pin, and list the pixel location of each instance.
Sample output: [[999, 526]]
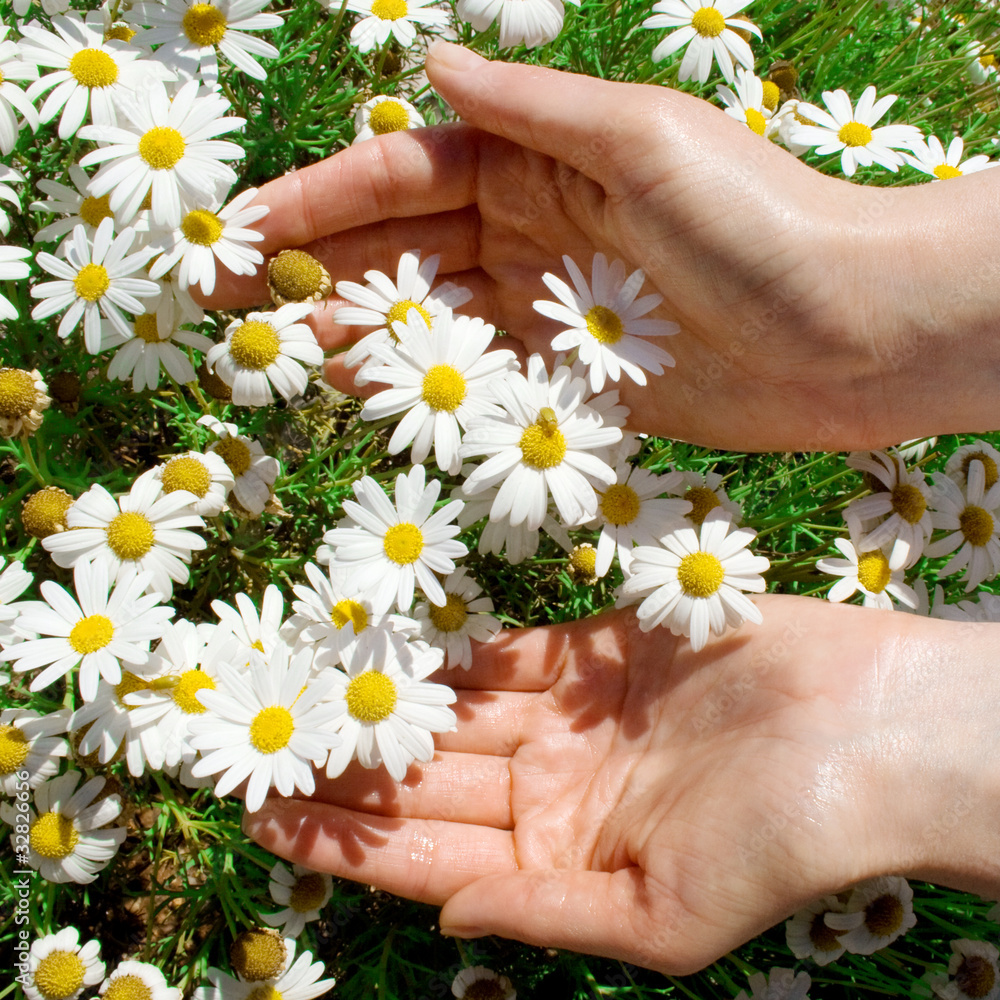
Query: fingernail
[[463, 932], [454, 57]]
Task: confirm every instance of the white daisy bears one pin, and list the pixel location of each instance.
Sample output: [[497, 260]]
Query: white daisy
[[704, 491], [808, 936], [380, 18], [490, 984], [872, 573], [13, 100], [8, 176], [97, 631], [973, 972], [132, 979], [254, 472], [779, 984], [528, 22], [94, 283], [252, 630], [746, 105], [59, 967], [985, 608], [24, 398], [440, 379], [465, 616], [381, 301], [12, 268], [930, 158], [391, 709], [268, 724], [632, 511], [170, 147], [982, 64], [707, 31], [851, 131], [29, 744], [205, 476], [604, 321], [69, 839], [957, 466], [264, 350], [77, 206], [207, 233], [189, 33], [877, 913], [384, 114], [90, 73], [692, 582], [302, 892], [14, 580], [782, 126], [388, 549], [299, 980], [544, 443], [143, 529]]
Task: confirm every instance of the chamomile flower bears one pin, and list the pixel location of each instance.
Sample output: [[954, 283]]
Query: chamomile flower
[[704, 491], [528, 22], [132, 979], [252, 630], [747, 103], [382, 18], [24, 398], [851, 131], [544, 443], [13, 100], [973, 972], [69, 839], [212, 232], [97, 630], [957, 466], [299, 980], [871, 572], [95, 284], [264, 350], [440, 380], [268, 724], [982, 65], [708, 33], [930, 158], [465, 616], [254, 472], [205, 476], [387, 549], [692, 582], [302, 892], [779, 984], [391, 707], [808, 935], [12, 268], [14, 580], [59, 967], [384, 114], [8, 176], [75, 204], [189, 34], [604, 321], [877, 913], [144, 529], [170, 147], [297, 276], [382, 301], [479, 981], [29, 745]]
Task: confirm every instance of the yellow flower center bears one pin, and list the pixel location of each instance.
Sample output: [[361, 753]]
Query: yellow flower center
[[14, 749], [443, 388], [297, 275], [130, 535], [264, 992], [17, 392], [53, 835], [127, 987], [308, 893], [389, 10], [146, 329], [94, 211], [349, 612], [700, 574], [708, 22], [91, 634], [403, 543], [908, 502], [44, 512], [186, 473], [235, 453], [702, 500], [884, 915], [855, 134], [989, 467], [91, 282], [162, 147], [542, 444], [93, 68], [257, 955], [604, 325], [943, 171], [186, 693], [756, 122], [202, 227], [204, 24], [59, 975], [451, 616], [255, 345], [873, 571], [388, 116], [398, 311], [271, 729], [122, 32], [583, 561], [620, 504], [987, 60], [976, 525], [485, 989], [128, 685], [823, 938], [975, 977], [371, 696], [772, 94]]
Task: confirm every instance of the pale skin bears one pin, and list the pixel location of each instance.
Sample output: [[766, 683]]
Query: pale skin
[[610, 791]]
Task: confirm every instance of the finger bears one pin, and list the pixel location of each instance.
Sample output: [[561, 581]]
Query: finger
[[458, 787], [489, 722], [421, 859]]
